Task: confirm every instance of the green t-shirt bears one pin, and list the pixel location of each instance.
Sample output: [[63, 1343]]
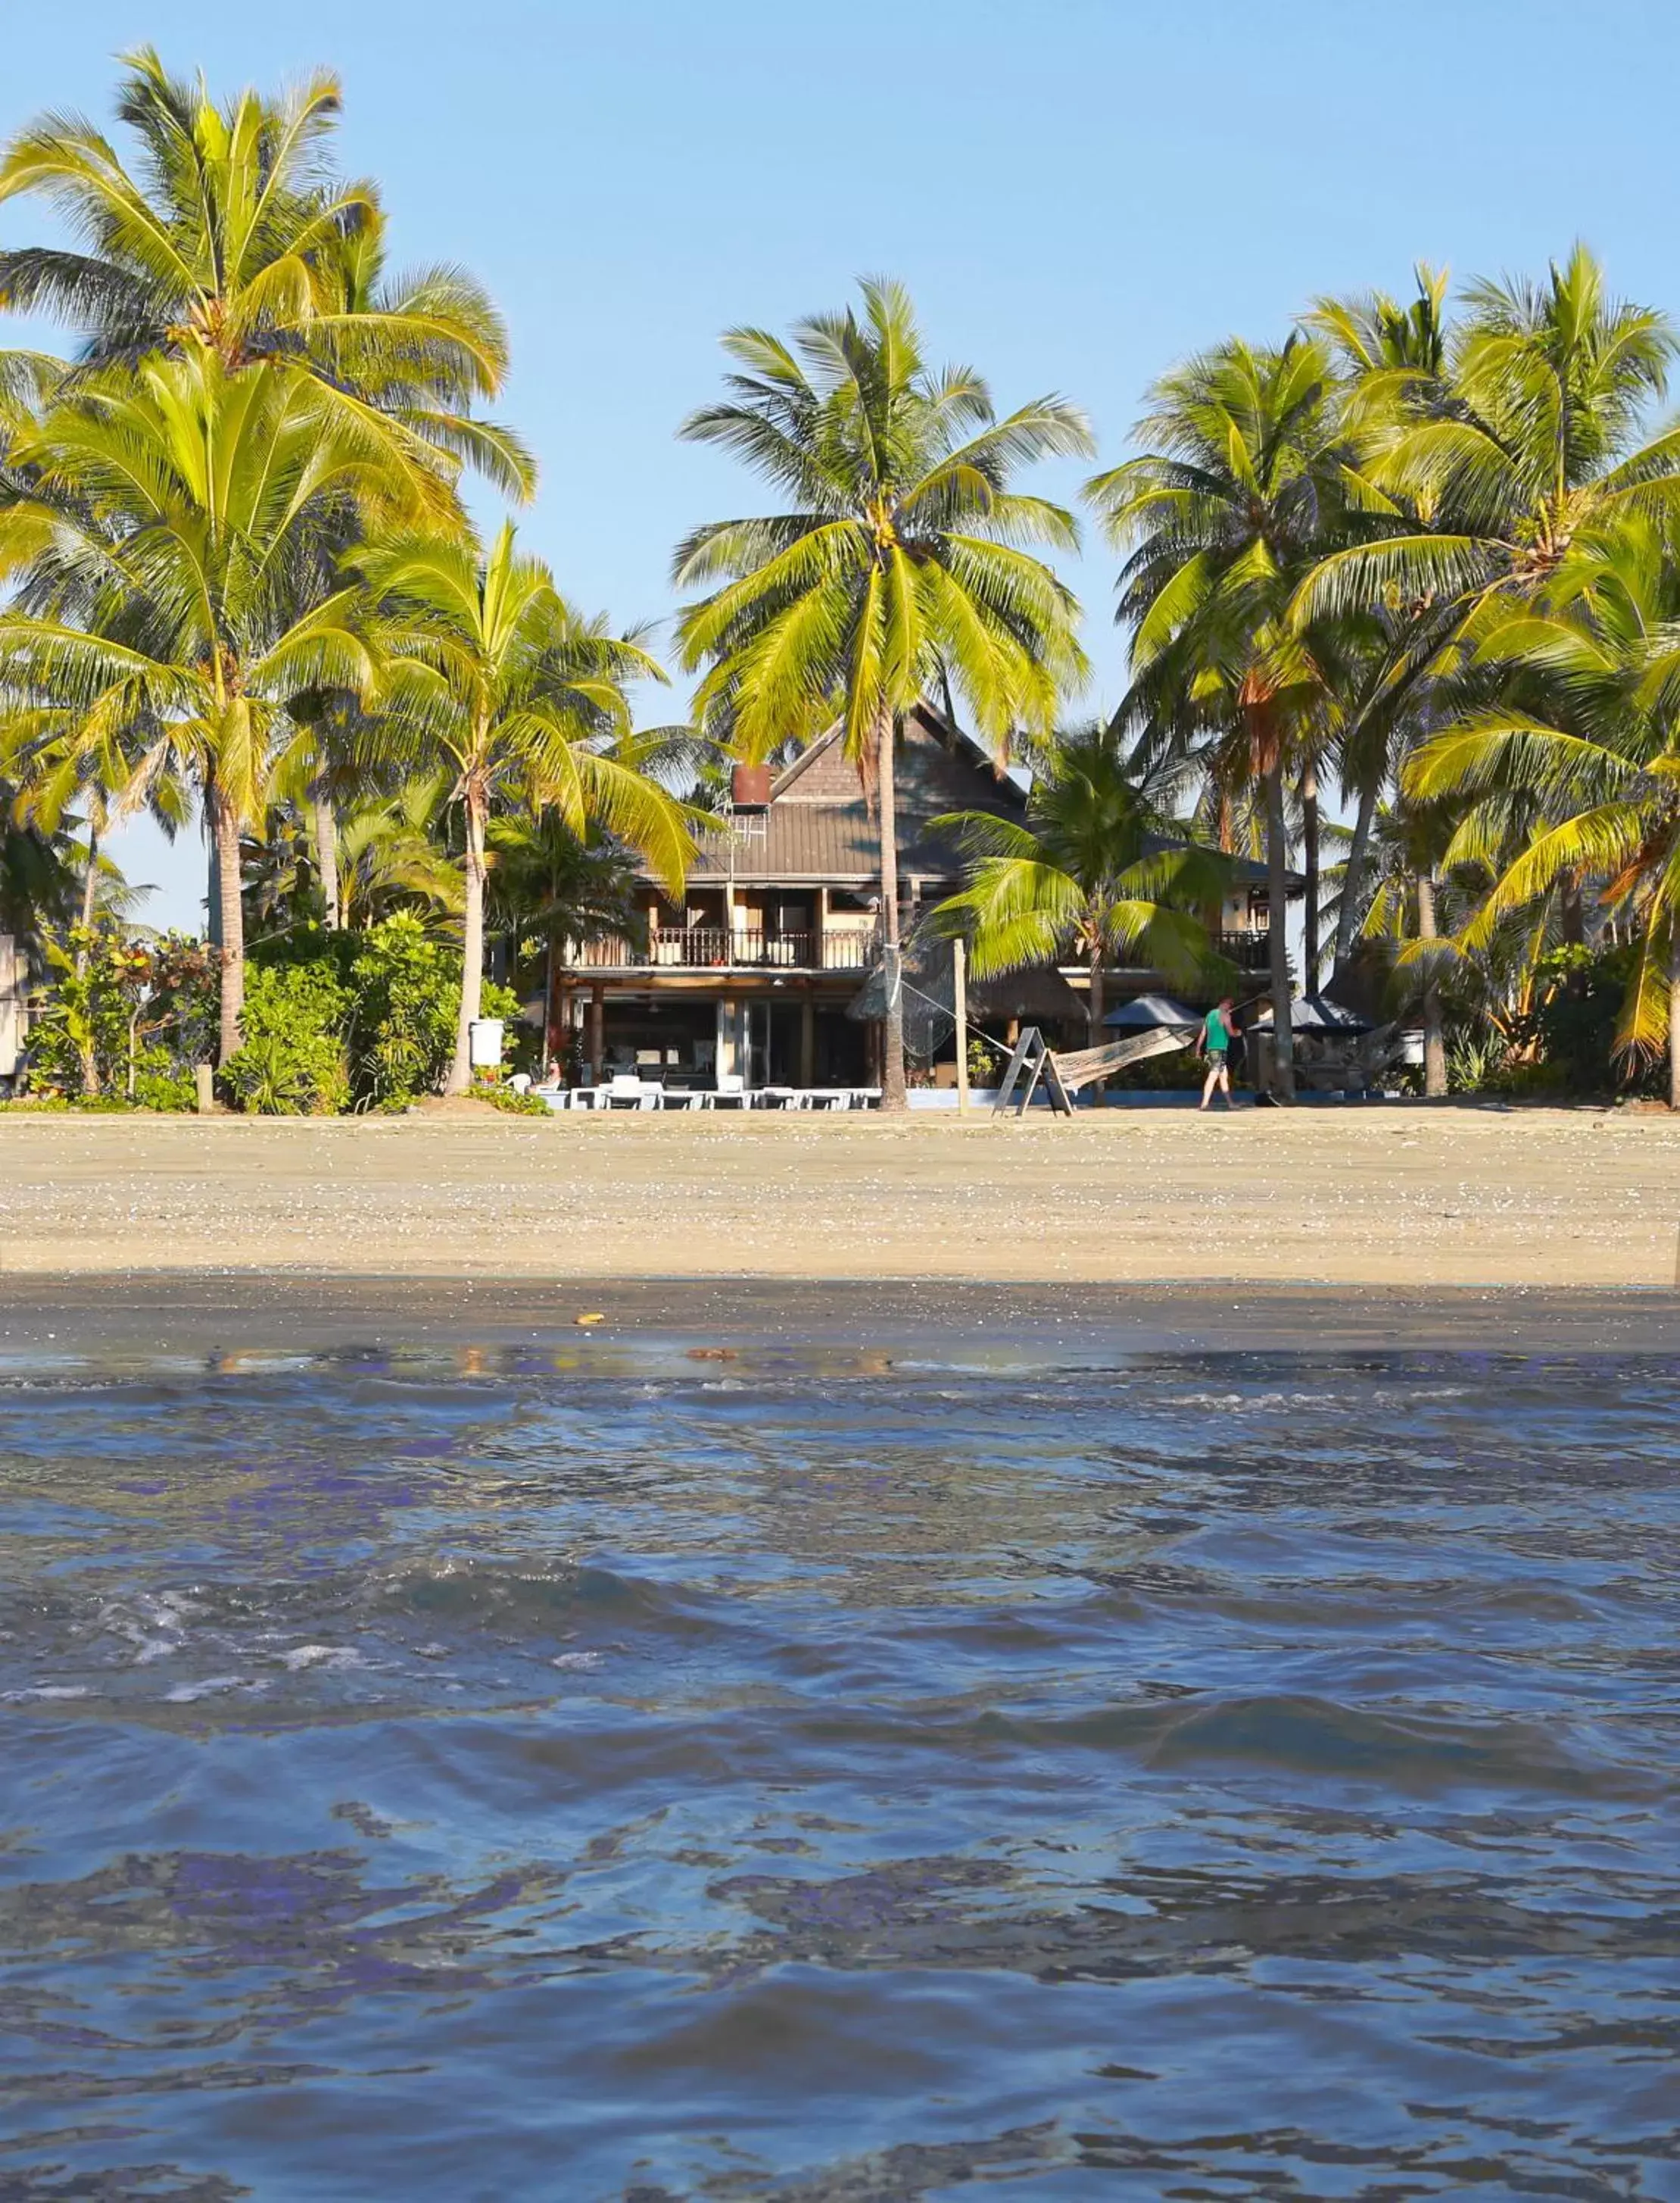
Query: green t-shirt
[[1218, 1034]]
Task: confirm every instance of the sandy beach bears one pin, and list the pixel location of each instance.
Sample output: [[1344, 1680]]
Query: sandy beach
[[1397, 1198]]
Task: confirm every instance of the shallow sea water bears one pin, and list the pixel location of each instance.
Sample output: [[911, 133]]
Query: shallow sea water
[[617, 1779]]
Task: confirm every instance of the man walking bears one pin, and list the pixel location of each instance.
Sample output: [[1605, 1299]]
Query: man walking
[[1219, 1028]]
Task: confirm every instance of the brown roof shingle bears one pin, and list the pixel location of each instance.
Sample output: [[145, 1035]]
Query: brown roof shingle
[[818, 828]]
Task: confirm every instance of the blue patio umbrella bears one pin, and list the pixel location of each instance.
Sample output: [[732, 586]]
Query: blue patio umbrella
[[1147, 1012]]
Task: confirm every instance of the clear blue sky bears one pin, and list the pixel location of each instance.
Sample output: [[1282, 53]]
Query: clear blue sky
[[1077, 192]]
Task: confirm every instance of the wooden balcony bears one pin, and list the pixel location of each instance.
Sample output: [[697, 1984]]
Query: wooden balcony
[[1248, 951], [720, 948]]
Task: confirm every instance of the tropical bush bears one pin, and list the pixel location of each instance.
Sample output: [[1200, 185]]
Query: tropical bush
[[122, 1021], [405, 988], [1567, 1041], [338, 1021], [293, 1061]]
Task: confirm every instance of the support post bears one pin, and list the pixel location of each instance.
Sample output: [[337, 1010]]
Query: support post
[[597, 1031], [807, 1040], [960, 991]]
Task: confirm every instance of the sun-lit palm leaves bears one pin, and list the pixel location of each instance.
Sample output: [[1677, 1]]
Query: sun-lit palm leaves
[[1239, 491], [1581, 750], [156, 567], [1532, 430], [492, 675], [392, 856], [229, 231], [1098, 871], [902, 557]]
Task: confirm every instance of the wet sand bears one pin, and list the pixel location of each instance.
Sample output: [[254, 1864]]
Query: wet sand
[[1362, 1228], [757, 1325]]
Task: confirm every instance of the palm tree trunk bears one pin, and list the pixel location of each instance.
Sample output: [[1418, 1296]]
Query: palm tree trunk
[[326, 855], [90, 893], [1353, 875], [472, 948], [1277, 925], [1310, 843], [1435, 1045], [1095, 1006], [1674, 1011], [89, 903], [230, 911], [213, 883], [892, 963], [550, 1028]]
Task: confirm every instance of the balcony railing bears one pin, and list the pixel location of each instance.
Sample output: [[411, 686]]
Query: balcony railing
[[1249, 951], [720, 949]]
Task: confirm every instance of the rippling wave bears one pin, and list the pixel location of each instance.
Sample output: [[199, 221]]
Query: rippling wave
[[564, 1777]]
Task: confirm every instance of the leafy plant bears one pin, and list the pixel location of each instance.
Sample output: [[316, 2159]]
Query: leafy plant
[[124, 1018], [293, 1061], [352, 1020], [1475, 1060], [517, 1105]]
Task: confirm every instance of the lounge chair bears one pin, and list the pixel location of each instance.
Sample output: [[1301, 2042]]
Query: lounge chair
[[627, 1090], [730, 1092]]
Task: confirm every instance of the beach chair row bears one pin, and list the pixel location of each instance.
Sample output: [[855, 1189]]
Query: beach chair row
[[628, 1090]]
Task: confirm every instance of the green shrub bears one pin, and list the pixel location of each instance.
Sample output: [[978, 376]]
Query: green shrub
[[517, 1105], [404, 991], [136, 1013], [341, 1021], [292, 1061], [1566, 1043]]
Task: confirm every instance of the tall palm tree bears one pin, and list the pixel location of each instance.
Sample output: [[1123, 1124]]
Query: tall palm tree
[[229, 232], [156, 566], [1238, 491], [495, 677], [1392, 357], [1585, 741], [1492, 459], [900, 560], [1098, 869]]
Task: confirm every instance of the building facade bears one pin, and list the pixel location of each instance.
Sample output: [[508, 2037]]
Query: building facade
[[753, 973]]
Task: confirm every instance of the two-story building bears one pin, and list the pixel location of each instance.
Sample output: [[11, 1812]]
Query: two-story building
[[753, 973]]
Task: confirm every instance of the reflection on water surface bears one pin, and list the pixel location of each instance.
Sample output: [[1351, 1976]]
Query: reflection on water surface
[[645, 1778]]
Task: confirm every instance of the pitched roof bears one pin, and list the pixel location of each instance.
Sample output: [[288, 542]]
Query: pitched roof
[[819, 830]]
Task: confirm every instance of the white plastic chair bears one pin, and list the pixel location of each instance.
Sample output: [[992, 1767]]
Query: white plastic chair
[[730, 1092]]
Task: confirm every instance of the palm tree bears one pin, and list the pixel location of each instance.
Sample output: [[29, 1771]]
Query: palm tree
[[230, 234], [496, 678], [900, 562], [156, 566], [1238, 493], [1392, 357], [39, 885], [1584, 746], [1488, 461], [392, 857], [1098, 869]]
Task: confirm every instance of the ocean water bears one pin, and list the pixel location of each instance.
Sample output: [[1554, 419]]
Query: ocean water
[[617, 1777]]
